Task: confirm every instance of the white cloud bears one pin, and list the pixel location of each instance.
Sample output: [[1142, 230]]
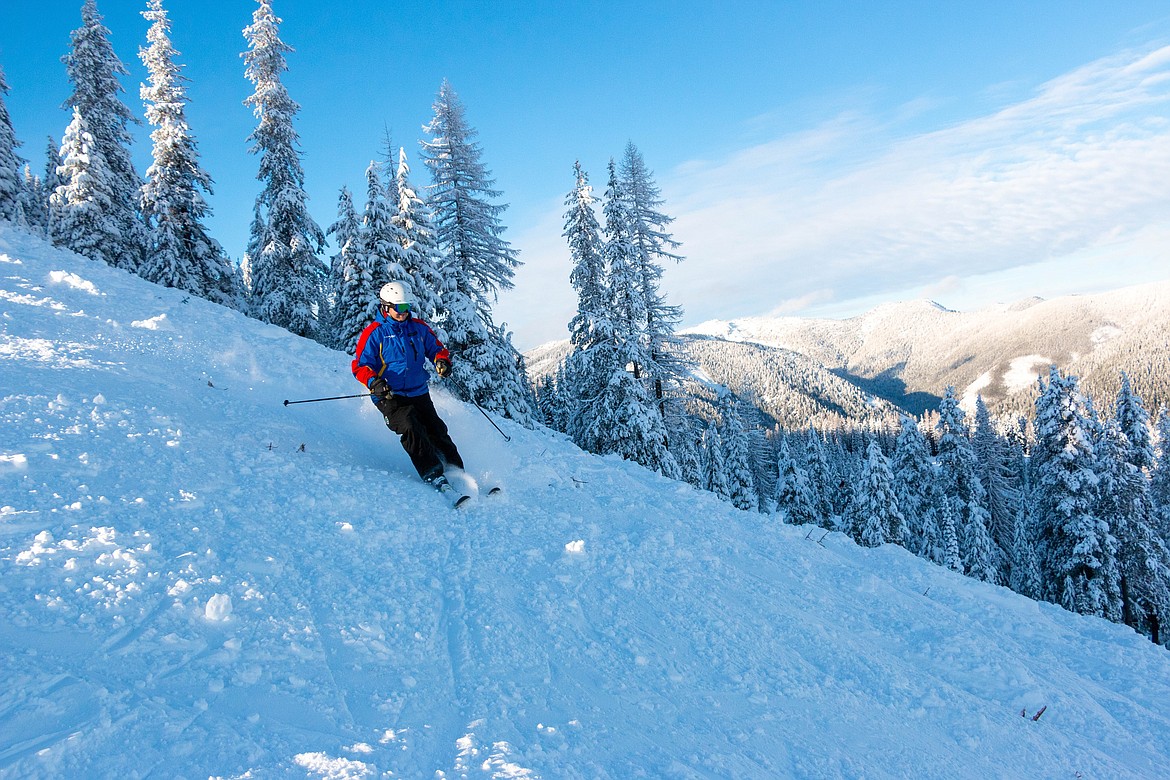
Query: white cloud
[[803, 303], [1082, 164]]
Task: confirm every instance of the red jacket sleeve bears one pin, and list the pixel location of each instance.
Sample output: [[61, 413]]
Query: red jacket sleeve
[[363, 370]]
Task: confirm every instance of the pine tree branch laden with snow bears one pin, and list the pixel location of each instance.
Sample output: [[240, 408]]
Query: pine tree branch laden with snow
[[11, 188], [286, 276], [82, 203], [93, 69], [477, 264], [181, 253]]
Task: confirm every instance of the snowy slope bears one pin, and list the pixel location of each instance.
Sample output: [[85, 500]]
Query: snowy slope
[[186, 592]]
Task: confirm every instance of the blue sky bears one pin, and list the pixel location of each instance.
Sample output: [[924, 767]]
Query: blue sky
[[819, 157]]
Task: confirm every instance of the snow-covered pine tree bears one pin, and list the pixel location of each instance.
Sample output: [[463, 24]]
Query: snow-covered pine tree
[[422, 259], [512, 395], [820, 478], [93, 69], [983, 558], [741, 489], [762, 455], [392, 157], [964, 490], [994, 461], [10, 178], [381, 241], [714, 462], [844, 464], [587, 366], [81, 204], [590, 324], [915, 486], [34, 203], [1025, 578], [180, 252], [1094, 425], [874, 517], [1078, 553], [468, 227], [550, 405], [1143, 560], [327, 314], [1026, 575], [1160, 478], [1134, 423], [665, 366], [933, 545], [952, 557], [478, 262], [351, 280], [684, 447], [285, 272], [51, 182], [617, 412], [256, 237], [794, 499]]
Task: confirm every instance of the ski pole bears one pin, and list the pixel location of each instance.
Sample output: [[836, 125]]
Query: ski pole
[[334, 398], [481, 411]]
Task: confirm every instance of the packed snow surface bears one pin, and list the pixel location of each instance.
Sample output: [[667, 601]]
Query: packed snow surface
[[198, 581]]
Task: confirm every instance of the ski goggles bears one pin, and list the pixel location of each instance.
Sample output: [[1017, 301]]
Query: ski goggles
[[401, 308]]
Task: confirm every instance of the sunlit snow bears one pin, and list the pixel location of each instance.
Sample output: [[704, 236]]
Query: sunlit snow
[[197, 581]]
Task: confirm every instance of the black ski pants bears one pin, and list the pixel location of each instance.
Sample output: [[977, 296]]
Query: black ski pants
[[424, 434]]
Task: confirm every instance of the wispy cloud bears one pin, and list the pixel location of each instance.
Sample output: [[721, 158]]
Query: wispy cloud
[[1085, 161], [795, 305]]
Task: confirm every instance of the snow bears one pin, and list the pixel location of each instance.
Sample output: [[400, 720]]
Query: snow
[[197, 581], [74, 281], [219, 607], [153, 323], [1105, 333], [1024, 371], [971, 393]]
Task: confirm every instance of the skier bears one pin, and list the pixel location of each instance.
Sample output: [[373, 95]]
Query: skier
[[389, 361]]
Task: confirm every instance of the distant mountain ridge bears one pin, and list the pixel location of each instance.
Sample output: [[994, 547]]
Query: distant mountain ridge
[[908, 352], [903, 355]]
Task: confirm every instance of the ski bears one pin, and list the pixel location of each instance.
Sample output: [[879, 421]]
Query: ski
[[449, 492], [470, 484]]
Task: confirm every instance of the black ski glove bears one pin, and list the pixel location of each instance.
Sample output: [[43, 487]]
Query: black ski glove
[[380, 388], [443, 367]]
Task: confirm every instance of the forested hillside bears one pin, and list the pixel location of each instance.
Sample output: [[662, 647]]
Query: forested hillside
[[909, 352]]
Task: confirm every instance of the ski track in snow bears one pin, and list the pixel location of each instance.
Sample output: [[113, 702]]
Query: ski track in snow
[[593, 621]]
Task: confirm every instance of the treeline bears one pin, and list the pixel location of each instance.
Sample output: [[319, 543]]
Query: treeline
[[445, 243], [1069, 506]]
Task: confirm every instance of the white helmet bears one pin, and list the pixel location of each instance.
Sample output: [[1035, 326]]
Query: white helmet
[[395, 292]]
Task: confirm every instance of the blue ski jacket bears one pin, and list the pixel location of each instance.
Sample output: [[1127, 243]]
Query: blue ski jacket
[[398, 352]]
